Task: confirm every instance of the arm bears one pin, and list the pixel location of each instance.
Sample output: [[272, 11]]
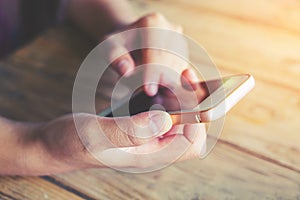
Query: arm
[[14, 143], [55, 146], [99, 18]]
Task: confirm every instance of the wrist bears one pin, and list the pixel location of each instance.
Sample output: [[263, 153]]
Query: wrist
[[31, 153], [42, 148], [16, 139], [38, 150], [58, 148]]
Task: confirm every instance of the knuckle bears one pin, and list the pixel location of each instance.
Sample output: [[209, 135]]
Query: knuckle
[[155, 15], [129, 135], [133, 140], [153, 18], [107, 37], [178, 28]]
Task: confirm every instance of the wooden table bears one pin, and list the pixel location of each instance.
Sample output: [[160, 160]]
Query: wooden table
[[258, 155]]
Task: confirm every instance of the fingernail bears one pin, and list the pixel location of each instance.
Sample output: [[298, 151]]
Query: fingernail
[[193, 76], [124, 66], [157, 122], [151, 89]]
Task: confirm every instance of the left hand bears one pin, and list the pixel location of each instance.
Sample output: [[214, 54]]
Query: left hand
[[61, 145]]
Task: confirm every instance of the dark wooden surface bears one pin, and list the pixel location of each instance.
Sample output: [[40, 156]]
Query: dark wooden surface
[[258, 155]]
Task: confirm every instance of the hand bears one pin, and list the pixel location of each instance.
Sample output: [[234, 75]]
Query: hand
[[175, 68], [56, 146]]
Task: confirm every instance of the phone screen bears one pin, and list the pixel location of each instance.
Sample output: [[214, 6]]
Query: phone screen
[[176, 99]]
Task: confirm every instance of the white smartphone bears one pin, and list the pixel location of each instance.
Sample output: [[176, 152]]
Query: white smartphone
[[200, 102]]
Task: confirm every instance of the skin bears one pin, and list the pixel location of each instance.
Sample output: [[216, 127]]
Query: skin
[[55, 146]]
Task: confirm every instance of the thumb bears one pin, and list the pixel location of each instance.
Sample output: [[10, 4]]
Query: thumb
[[137, 129]]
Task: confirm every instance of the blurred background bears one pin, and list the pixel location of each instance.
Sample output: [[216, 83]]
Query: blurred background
[[258, 154]]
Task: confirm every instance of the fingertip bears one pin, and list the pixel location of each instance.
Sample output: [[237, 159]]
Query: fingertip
[[190, 75], [124, 66], [189, 79], [151, 89], [148, 125]]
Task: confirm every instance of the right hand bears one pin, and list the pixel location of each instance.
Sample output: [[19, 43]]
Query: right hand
[[175, 68]]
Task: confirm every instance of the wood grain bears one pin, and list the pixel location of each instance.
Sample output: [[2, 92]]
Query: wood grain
[[227, 173], [258, 156], [32, 188]]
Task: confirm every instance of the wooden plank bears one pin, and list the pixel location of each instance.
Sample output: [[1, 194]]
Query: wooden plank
[[227, 173], [267, 125], [284, 14], [32, 188]]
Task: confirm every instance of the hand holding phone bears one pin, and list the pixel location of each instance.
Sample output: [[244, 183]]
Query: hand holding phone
[[200, 102]]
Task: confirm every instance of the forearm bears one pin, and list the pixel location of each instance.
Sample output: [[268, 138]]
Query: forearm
[[40, 149], [15, 141], [99, 17], [23, 150]]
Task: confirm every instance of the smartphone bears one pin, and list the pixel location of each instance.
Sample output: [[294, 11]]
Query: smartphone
[[188, 103]]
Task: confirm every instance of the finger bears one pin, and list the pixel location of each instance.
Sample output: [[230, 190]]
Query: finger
[[189, 144], [158, 66], [189, 79], [123, 65], [176, 129], [118, 57], [161, 152], [177, 147], [153, 58], [147, 155], [177, 28], [196, 134], [151, 78], [136, 130], [189, 76]]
